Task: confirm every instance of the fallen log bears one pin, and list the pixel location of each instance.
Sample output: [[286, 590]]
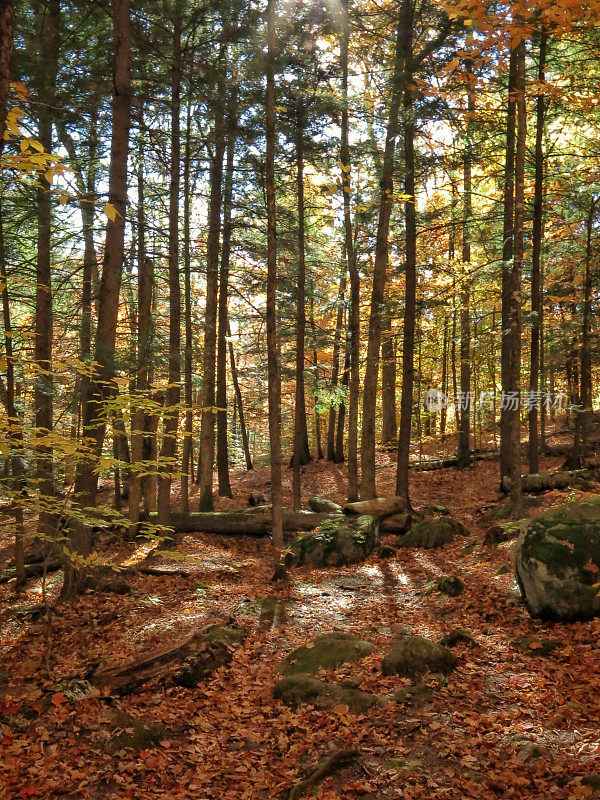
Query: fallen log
[[249, 522], [32, 570], [184, 664], [379, 507], [545, 481]]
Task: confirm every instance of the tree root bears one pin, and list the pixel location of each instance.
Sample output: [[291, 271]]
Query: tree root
[[338, 760]]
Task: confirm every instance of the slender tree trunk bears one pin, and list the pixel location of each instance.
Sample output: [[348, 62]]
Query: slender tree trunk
[[464, 439], [389, 425], [222, 449], [173, 394], [300, 453], [273, 358], [444, 408], [99, 386], [507, 266], [586, 357], [514, 371], [339, 434], [316, 375], [240, 404], [49, 22], [188, 439], [335, 369], [536, 252], [206, 455], [398, 81], [410, 222], [354, 314]]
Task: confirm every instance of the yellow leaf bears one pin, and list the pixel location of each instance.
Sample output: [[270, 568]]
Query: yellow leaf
[[110, 211]]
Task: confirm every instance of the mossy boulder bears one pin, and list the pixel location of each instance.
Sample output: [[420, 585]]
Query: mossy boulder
[[386, 551], [296, 690], [135, 733], [431, 533], [557, 559], [324, 506], [217, 651], [458, 636], [326, 652], [337, 542], [412, 656], [451, 586]]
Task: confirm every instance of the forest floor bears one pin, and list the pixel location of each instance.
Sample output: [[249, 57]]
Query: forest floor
[[509, 723]]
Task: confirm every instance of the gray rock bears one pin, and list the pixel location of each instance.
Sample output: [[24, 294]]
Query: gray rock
[[431, 533], [451, 585]]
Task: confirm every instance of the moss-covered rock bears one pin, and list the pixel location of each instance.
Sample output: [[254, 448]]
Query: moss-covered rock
[[537, 647], [386, 551], [557, 559], [296, 690], [323, 505], [417, 693], [325, 652], [337, 542], [458, 636], [451, 586], [412, 656], [431, 533]]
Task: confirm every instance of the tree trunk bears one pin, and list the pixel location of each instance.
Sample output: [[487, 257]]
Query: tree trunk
[[514, 335], [206, 455], [188, 438], [354, 314], [222, 449], [536, 252], [335, 369], [398, 81], [49, 22], [240, 404], [316, 375], [389, 425], [273, 363], [444, 408], [585, 413], [410, 221], [301, 454], [173, 394], [464, 439], [339, 434], [99, 386], [507, 257]]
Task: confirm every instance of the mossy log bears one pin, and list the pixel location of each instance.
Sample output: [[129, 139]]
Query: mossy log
[[545, 481], [248, 522]]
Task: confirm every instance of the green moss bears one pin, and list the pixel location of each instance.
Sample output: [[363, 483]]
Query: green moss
[[295, 690], [326, 652]]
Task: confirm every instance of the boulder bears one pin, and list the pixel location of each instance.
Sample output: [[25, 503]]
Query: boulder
[[432, 533], [323, 505], [412, 656], [458, 636], [325, 652], [557, 559], [295, 690], [385, 551], [337, 542], [451, 585], [135, 733]]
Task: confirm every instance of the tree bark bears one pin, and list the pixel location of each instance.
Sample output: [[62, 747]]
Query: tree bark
[[188, 438], [99, 386], [464, 439], [335, 368], [389, 425], [301, 454], [584, 415], [222, 448], [507, 257], [240, 404], [397, 85], [536, 252], [49, 22], [206, 455], [173, 395], [273, 363], [410, 222], [514, 370], [354, 313]]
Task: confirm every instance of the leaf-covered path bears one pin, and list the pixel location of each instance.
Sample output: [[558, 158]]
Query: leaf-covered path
[[512, 721]]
